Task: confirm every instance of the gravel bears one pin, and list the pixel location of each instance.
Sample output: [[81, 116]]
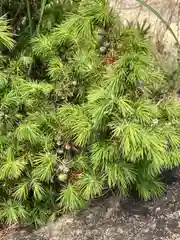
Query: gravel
[[112, 219]]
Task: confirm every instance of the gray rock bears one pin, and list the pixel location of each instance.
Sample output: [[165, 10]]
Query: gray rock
[[109, 219]]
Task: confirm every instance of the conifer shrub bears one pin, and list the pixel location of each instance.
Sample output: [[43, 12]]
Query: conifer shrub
[[82, 109]]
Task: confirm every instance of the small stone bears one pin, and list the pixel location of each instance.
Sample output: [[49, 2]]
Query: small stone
[[101, 31], [109, 213], [79, 231], [67, 146], [102, 49], [106, 44], [173, 199], [120, 230], [139, 83], [62, 177], [64, 169], [146, 230], [90, 216], [155, 121], [48, 5], [58, 143], [153, 226], [74, 83], [60, 151], [157, 210]]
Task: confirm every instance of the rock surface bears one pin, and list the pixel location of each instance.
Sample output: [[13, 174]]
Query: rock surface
[[169, 10], [110, 219]]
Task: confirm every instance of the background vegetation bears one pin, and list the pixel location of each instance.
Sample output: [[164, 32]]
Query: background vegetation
[[84, 108]]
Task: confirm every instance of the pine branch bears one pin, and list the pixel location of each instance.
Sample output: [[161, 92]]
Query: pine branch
[[3, 80], [29, 132], [21, 191], [12, 212], [145, 112], [70, 199], [151, 188], [42, 46], [44, 167], [74, 118], [5, 34], [90, 185], [38, 190], [104, 153], [12, 168], [121, 175]]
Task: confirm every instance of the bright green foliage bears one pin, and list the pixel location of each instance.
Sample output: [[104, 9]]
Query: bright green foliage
[[130, 135], [76, 120], [5, 35]]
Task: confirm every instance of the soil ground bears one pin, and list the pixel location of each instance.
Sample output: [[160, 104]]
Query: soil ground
[[112, 219]]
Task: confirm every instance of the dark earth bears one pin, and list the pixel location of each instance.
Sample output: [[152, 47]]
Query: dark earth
[[112, 219]]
